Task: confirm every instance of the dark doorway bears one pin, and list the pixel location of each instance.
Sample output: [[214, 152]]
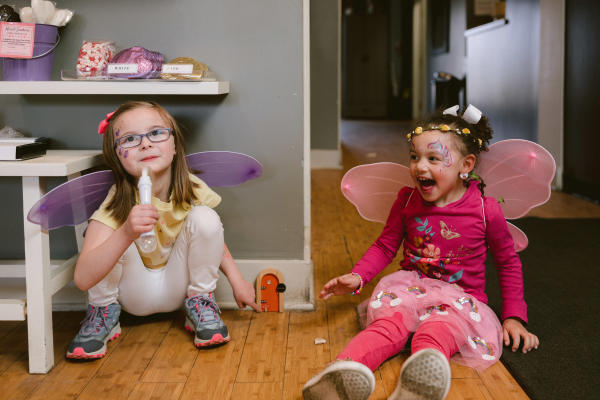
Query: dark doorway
[[581, 173], [377, 59]]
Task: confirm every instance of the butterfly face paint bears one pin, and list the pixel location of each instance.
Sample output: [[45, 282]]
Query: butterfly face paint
[[434, 167], [157, 156], [443, 150], [117, 132]]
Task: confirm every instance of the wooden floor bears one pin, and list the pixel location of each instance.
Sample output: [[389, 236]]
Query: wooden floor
[[271, 355]]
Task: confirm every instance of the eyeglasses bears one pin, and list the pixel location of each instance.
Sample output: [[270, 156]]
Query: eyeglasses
[[155, 136]]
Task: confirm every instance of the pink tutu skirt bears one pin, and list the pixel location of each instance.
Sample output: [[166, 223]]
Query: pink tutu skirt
[[477, 332]]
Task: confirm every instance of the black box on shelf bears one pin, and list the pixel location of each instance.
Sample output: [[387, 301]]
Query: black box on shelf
[[22, 148]]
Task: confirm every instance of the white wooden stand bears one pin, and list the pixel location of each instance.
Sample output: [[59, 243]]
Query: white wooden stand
[[42, 277]]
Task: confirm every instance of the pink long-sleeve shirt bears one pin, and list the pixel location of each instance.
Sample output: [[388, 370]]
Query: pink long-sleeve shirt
[[450, 243]]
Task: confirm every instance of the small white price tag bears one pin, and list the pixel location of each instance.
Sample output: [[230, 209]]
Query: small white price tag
[[122, 68], [177, 68]]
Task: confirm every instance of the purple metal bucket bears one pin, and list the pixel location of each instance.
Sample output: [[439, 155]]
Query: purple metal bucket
[[38, 68]]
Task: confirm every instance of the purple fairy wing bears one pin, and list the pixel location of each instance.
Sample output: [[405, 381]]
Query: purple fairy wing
[[373, 188], [73, 202], [223, 168]]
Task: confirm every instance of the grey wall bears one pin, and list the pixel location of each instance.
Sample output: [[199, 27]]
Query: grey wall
[[453, 61], [503, 72], [324, 66], [256, 45]]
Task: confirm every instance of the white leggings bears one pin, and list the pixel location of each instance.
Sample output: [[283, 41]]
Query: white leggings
[[192, 268]]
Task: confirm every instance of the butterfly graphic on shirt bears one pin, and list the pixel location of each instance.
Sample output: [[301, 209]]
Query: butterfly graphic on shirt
[[517, 173], [447, 233]]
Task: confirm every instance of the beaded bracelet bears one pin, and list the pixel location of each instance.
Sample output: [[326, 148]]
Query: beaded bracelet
[[357, 291]]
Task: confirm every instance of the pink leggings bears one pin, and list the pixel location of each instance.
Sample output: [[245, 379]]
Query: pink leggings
[[386, 337]]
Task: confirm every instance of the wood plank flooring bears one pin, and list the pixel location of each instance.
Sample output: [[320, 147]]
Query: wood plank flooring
[[271, 355]]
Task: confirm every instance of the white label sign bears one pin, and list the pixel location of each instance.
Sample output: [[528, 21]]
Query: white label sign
[[16, 39], [177, 68], [122, 68]]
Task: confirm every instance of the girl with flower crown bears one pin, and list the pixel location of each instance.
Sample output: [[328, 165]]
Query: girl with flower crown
[[444, 225]]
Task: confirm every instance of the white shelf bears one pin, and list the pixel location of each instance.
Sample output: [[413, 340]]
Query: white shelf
[[54, 163], [43, 278], [115, 87], [61, 273]]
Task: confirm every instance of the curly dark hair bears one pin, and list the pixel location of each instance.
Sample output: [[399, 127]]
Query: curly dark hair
[[468, 144]]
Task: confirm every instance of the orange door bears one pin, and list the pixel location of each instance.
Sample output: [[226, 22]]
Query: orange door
[[269, 296]]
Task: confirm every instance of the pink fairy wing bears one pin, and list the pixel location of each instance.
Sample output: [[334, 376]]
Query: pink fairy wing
[[519, 238], [373, 188], [223, 168], [73, 202], [518, 174]]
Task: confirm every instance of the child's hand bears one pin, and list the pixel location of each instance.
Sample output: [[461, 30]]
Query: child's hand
[[341, 285], [244, 294], [142, 218], [513, 328]]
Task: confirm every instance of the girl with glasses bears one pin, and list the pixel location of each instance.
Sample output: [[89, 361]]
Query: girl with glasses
[[183, 267]]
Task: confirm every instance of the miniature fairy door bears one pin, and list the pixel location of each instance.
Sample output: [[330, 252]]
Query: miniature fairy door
[[270, 288]]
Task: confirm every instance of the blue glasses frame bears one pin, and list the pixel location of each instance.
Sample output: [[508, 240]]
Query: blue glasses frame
[[156, 135]]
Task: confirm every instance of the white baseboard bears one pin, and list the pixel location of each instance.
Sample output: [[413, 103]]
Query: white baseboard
[[557, 183], [298, 278], [325, 159]]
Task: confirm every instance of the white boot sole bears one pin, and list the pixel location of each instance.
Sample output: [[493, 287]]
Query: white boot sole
[[342, 380], [425, 375]]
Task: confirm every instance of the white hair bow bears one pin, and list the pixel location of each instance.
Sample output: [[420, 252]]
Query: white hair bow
[[472, 115]]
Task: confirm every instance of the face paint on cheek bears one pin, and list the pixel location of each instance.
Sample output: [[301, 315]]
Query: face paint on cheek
[[120, 153], [443, 150], [126, 154]]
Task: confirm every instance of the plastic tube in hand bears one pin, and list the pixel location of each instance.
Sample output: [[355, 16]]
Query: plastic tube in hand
[[147, 240]]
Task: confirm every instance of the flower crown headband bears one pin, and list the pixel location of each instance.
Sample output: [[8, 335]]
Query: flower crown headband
[[471, 115]]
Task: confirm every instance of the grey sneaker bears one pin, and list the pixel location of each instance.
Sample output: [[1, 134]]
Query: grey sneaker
[[203, 319], [425, 375], [341, 380], [101, 325]]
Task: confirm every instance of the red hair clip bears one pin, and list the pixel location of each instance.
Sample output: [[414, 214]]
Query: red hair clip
[[104, 123]]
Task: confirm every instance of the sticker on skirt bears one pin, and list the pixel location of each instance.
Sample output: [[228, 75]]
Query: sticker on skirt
[[478, 342], [417, 290], [394, 300], [440, 310], [474, 314]]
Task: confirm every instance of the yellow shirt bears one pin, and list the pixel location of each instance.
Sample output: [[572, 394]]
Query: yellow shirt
[[170, 221]]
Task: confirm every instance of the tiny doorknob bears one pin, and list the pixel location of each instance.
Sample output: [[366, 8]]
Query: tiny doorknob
[[281, 288]]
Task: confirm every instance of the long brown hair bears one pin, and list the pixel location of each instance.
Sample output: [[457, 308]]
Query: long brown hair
[[181, 188]]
